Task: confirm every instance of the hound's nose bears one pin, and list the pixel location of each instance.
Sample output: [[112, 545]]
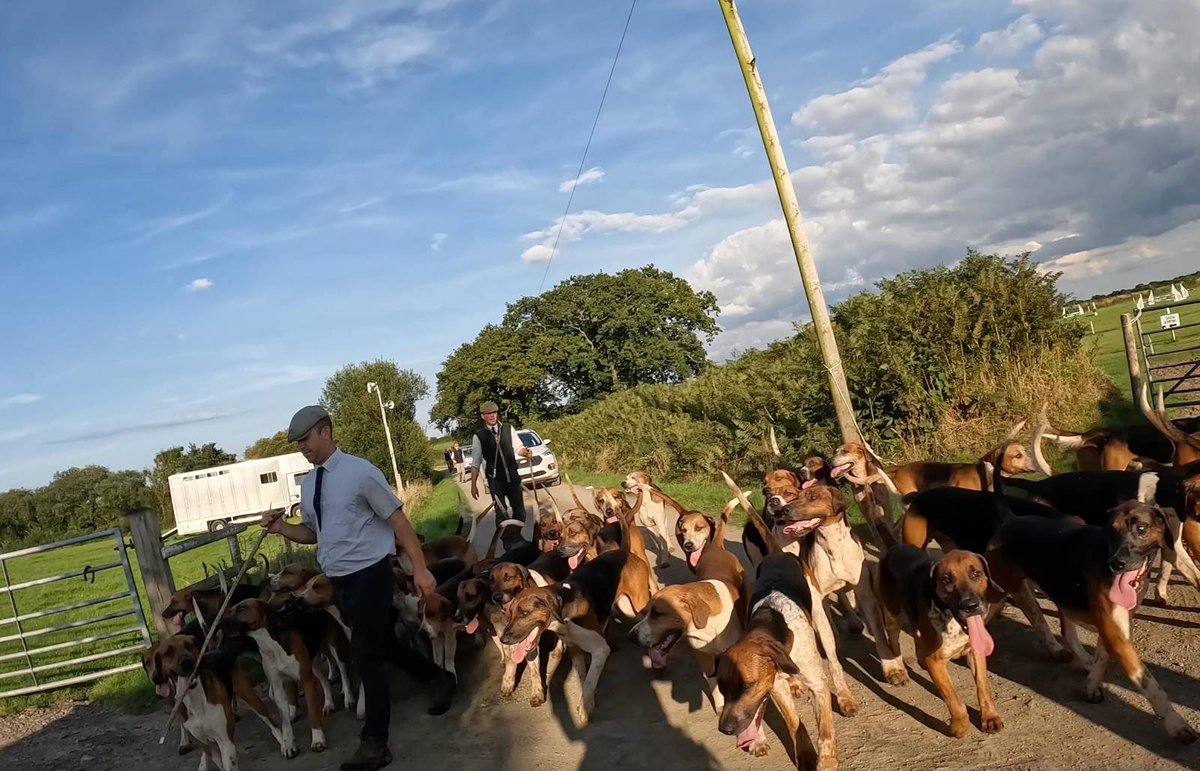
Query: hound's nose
[[1116, 564], [970, 605], [498, 599]]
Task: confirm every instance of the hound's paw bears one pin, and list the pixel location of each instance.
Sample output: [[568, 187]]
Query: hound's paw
[[759, 748], [990, 724], [318, 740], [895, 673], [537, 699], [1094, 695], [361, 711], [289, 751], [184, 749], [1179, 730], [581, 716], [959, 727], [846, 706], [507, 687], [328, 708], [827, 763]]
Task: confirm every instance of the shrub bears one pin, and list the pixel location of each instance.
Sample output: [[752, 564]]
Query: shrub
[[939, 362]]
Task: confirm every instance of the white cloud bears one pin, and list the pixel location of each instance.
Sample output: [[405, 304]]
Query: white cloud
[[176, 221], [594, 174], [1086, 155], [374, 200], [1013, 39], [379, 54], [199, 285], [17, 400], [436, 242], [877, 102], [576, 225]]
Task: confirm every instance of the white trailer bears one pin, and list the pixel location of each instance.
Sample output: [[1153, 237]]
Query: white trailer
[[211, 498]]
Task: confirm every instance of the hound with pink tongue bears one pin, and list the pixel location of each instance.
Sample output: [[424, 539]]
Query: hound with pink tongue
[[977, 634], [1124, 589]]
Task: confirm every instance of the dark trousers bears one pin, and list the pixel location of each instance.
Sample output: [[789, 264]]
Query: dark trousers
[[513, 494], [365, 597]]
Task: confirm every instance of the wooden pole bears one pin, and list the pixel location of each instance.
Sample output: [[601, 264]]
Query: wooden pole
[[795, 224], [156, 572]]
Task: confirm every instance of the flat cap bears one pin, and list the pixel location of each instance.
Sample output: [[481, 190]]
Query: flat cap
[[487, 407], [304, 421]]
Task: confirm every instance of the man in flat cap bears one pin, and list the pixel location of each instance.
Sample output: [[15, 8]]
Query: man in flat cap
[[349, 511], [496, 444]]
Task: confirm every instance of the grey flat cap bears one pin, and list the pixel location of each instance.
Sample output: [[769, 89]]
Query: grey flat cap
[[487, 407], [304, 421]]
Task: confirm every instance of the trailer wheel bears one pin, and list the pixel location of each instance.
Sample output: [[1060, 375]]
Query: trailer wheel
[[294, 511], [217, 525]]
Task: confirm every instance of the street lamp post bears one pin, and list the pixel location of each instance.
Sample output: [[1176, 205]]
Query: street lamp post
[[387, 431]]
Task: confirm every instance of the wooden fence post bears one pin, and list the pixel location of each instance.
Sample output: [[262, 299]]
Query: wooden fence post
[[155, 570]]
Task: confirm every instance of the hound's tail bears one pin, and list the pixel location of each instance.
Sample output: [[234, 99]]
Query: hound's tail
[[755, 518]]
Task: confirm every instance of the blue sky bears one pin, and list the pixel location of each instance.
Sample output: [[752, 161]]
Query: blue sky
[[211, 206]]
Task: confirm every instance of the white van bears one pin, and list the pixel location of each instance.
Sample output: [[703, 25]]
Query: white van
[[211, 498]]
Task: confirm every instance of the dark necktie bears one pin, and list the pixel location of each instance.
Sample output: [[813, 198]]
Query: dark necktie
[[317, 495]]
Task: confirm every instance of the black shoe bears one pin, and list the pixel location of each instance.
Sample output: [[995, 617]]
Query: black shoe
[[370, 755]]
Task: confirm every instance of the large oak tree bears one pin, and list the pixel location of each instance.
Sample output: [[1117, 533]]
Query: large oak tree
[[587, 337]]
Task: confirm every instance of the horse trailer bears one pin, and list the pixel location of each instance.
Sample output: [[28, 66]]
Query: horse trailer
[[211, 498]]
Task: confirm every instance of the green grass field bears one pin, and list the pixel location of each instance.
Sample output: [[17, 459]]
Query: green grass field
[[1110, 346], [129, 690]]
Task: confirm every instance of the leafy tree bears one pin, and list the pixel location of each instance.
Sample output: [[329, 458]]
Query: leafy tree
[[175, 460], [939, 362], [587, 337], [269, 447], [17, 515], [356, 419]]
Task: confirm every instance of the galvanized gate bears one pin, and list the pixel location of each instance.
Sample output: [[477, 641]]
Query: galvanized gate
[[102, 618], [1170, 349]]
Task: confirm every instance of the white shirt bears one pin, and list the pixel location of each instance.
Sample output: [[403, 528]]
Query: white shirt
[[477, 448], [356, 504]]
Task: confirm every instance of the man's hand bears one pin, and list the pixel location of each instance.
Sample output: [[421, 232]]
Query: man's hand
[[525, 452], [272, 523], [423, 582], [474, 491]]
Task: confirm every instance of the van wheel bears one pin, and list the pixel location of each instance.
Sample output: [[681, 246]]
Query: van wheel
[[217, 525]]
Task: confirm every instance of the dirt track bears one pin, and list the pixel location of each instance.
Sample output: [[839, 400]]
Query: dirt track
[[643, 722]]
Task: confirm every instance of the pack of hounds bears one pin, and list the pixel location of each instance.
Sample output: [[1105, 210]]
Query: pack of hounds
[[760, 632]]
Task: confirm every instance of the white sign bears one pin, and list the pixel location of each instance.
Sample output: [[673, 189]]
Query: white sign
[[1168, 320]]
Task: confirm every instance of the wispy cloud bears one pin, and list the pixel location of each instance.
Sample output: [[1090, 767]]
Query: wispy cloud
[[31, 219], [17, 400], [199, 285], [368, 203], [141, 428], [176, 221], [436, 242], [594, 174]]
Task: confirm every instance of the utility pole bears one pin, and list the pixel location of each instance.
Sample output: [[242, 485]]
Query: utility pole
[[387, 431], [795, 224]]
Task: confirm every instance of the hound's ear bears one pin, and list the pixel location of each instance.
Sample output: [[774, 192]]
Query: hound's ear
[[795, 480], [987, 570], [699, 610], [783, 662], [1172, 527], [526, 578], [555, 603], [839, 502], [712, 525]]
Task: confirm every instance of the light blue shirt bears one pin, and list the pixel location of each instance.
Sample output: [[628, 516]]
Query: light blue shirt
[[356, 504]]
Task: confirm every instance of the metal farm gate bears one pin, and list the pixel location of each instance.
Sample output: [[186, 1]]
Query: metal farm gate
[[1169, 342], [41, 656]]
